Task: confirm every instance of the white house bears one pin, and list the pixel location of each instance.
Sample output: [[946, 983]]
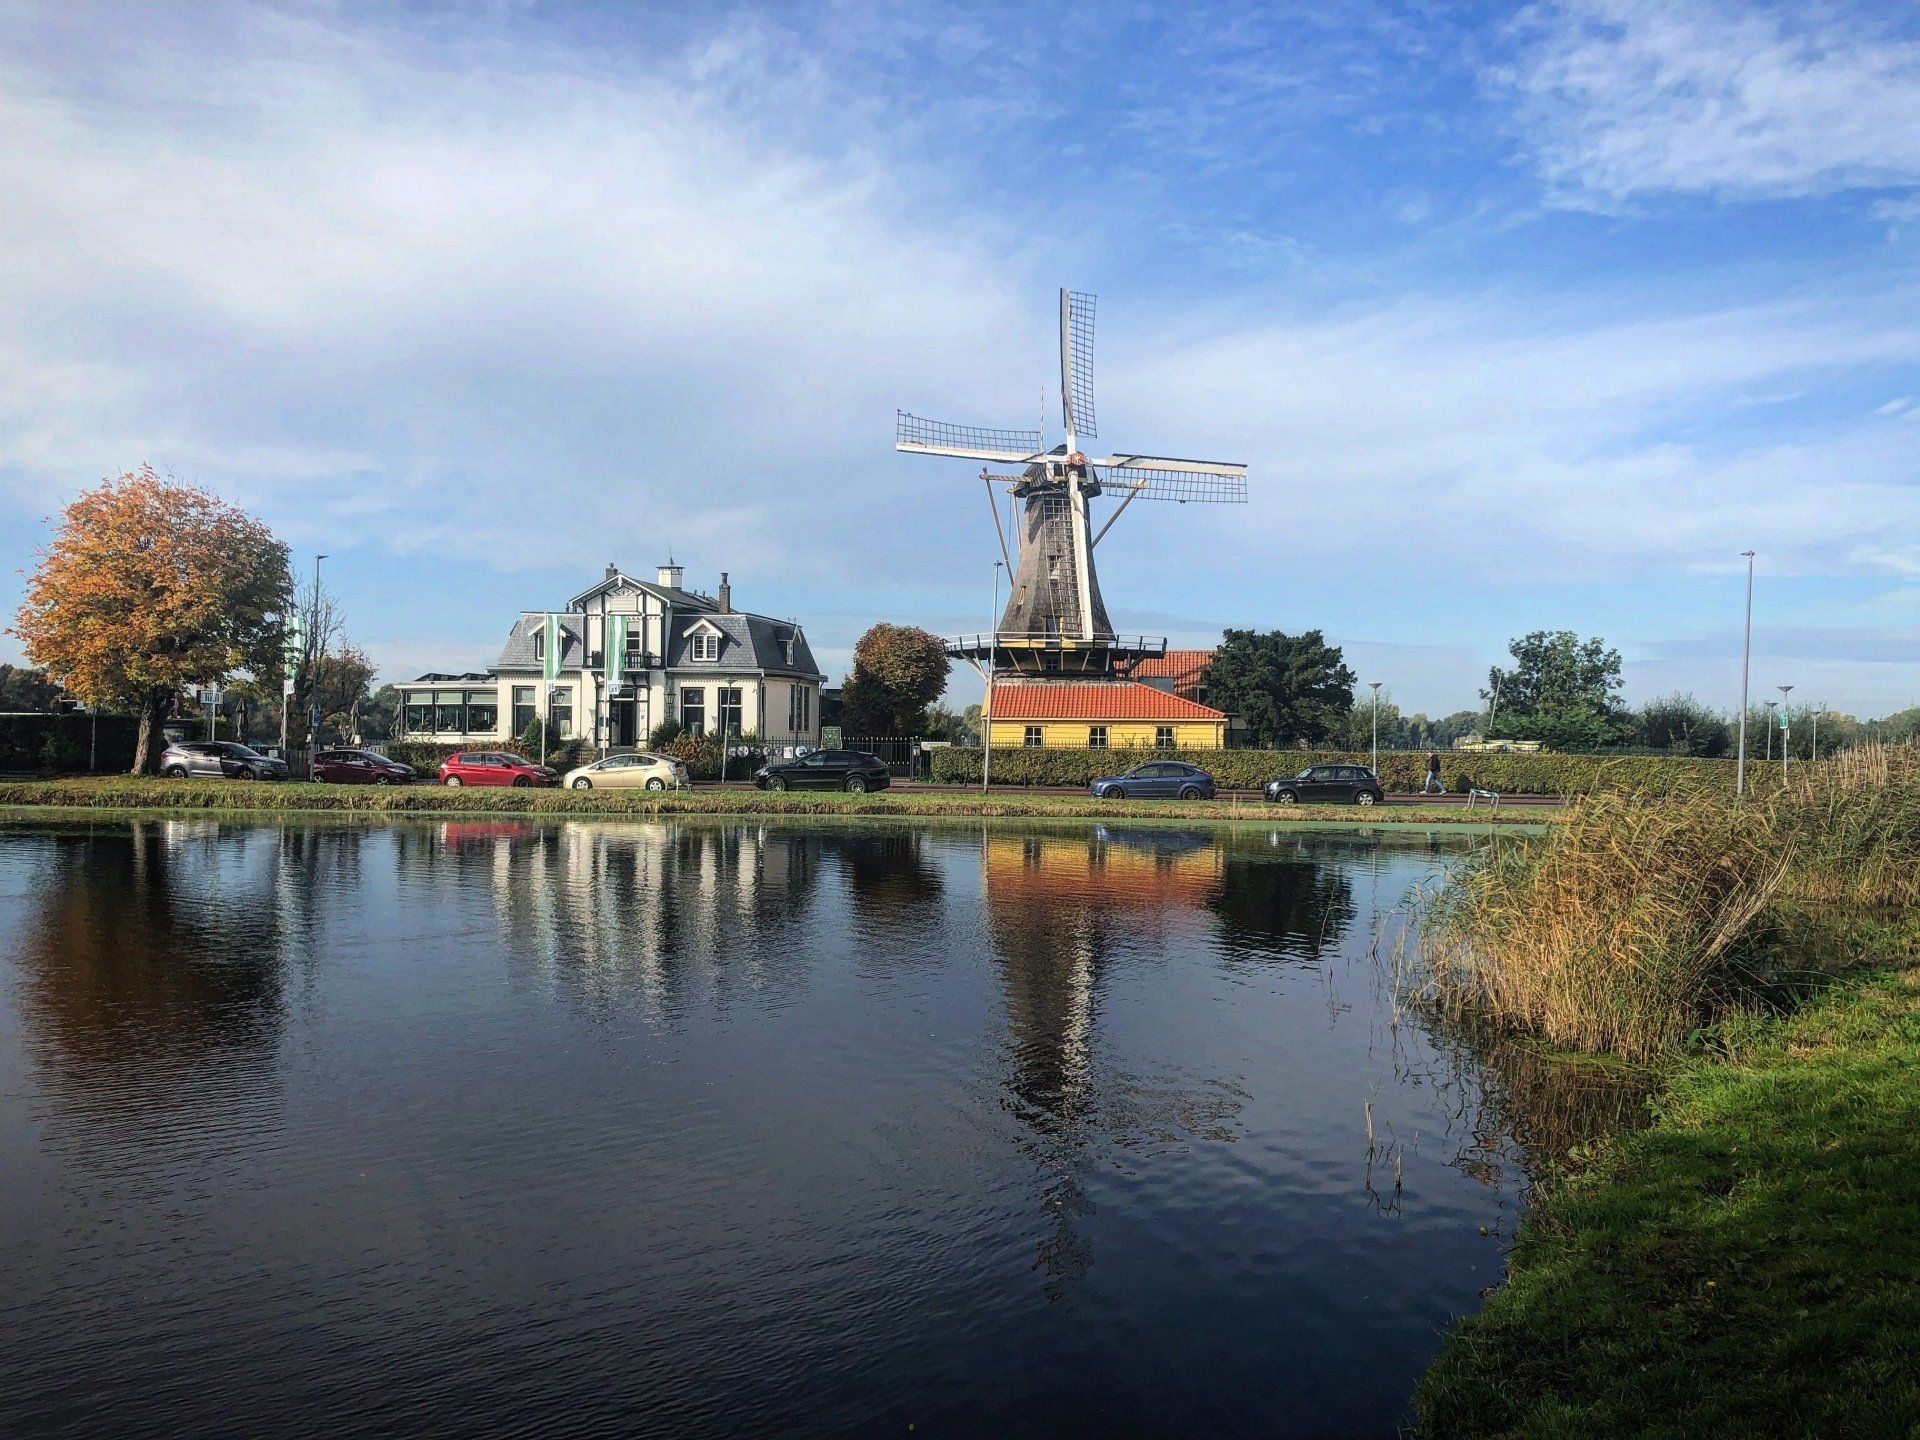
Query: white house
[[680, 655]]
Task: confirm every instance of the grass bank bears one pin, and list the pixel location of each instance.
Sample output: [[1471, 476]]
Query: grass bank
[[1749, 1265], [241, 796]]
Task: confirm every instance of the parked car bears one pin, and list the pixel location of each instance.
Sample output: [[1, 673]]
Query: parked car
[[617, 772], [853, 770], [359, 767], [1328, 784], [1159, 779], [219, 759], [494, 767]]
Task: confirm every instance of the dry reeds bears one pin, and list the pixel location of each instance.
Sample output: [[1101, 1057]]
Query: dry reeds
[[1635, 922]]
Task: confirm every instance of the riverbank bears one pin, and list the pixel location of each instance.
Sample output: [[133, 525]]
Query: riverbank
[[1748, 1265], [299, 797]]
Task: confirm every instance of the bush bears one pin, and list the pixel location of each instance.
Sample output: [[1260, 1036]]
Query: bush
[[59, 743], [425, 756], [1401, 771]]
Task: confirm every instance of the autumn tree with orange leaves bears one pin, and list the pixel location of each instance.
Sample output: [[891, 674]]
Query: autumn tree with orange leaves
[[152, 586]]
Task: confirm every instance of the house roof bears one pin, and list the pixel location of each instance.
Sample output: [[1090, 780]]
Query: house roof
[[1184, 668], [672, 594], [1108, 700], [750, 643]]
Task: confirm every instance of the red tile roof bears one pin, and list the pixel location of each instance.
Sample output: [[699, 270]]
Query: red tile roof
[[1110, 700], [1183, 667]]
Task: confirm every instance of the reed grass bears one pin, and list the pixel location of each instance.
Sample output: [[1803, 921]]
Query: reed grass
[[1634, 924]]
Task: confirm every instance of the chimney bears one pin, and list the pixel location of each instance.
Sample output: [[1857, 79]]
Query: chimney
[[726, 595], [671, 575], [612, 569]]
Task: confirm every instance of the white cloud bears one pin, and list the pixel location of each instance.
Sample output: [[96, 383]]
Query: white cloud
[[1620, 98]]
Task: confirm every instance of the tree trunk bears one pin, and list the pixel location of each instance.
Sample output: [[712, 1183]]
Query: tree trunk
[[152, 738]]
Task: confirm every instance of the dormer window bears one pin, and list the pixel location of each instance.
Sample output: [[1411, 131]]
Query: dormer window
[[540, 643], [706, 646]]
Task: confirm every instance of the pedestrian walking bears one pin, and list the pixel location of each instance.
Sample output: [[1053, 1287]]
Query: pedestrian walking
[[1433, 785]]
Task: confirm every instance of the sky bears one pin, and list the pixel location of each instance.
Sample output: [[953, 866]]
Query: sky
[[1523, 317]]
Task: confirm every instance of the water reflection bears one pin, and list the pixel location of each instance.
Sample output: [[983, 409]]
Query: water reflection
[[493, 1125]]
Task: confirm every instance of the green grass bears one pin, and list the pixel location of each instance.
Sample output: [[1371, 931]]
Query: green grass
[[1747, 1266], [238, 796]]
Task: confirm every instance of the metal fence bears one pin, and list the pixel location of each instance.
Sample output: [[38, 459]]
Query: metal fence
[[901, 752]]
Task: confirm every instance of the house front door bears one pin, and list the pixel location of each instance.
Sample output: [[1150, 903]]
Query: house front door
[[620, 718]]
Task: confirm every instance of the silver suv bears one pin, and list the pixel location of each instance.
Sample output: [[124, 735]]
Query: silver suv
[[219, 759]]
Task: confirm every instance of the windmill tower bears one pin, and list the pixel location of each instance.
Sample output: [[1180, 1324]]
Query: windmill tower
[[1055, 621]]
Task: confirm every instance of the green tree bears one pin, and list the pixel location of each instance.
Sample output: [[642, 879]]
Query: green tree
[[898, 671], [1683, 725], [1561, 690], [23, 689], [379, 711], [1286, 689]]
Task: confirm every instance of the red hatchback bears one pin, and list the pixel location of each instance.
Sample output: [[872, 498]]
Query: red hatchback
[[491, 767]]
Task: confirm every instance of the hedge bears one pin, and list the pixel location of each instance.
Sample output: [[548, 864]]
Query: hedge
[[59, 743], [239, 797], [1403, 772], [425, 756]]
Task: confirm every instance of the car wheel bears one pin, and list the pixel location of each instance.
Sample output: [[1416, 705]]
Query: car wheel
[[654, 782], [1191, 792], [383, 779], [856, 785], [453, 781], [521, 782], [176, 772], [1113, 792], [1285, 797], [775, 782], [1364, 797], [583, 783]]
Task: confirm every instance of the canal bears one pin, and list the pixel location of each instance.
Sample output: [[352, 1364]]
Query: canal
[[492, 1126]]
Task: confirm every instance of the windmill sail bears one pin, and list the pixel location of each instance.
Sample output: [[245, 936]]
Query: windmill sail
[[1076, 363], [1185, 486], [917, 434]]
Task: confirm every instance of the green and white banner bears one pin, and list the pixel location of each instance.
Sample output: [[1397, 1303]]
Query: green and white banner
[[616, 651], [551, 670]]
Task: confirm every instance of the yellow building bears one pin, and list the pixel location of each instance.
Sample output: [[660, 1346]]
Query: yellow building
[[1104, 715]]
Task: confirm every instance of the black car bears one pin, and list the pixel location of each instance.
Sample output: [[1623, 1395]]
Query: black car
[[219, 759], [853, 770], [1328, 785]]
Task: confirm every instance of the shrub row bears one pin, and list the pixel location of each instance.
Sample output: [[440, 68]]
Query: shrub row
[[1402, 772], [61, 743], [241, 796], [425, 756]]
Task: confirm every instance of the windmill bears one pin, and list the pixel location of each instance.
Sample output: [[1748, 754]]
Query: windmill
[[1055, 620]]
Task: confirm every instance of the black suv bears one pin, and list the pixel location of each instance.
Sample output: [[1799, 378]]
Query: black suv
[[853, 770], [219, 759], [1328, 784]]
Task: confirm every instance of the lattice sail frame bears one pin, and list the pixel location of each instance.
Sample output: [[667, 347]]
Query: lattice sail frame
[[1076, 363], [1182, 487], [918, 431]]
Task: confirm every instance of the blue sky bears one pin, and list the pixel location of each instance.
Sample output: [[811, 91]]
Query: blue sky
[[1523, 317]]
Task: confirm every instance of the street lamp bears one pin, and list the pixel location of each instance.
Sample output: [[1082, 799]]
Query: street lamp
[[1376, 725], [313, 680], [1786, 729], [1770, 705], [986, 713], [1816, 731], [1746, 658]]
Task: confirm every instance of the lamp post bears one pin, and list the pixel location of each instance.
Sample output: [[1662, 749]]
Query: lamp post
[[1376, 725], [1786, 729], [1816, 731], [313, 680], [1770, 705], [986, 714], [1746, 659]]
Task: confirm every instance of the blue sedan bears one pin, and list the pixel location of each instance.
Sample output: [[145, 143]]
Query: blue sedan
[[1160, 780]]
